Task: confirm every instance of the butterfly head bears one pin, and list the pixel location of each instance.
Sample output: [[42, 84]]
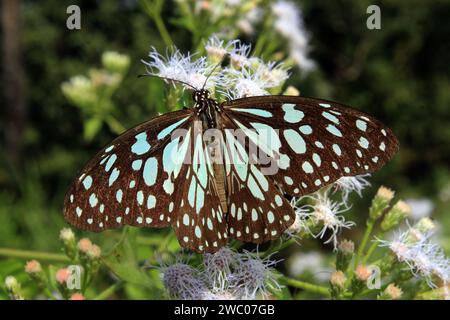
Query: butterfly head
[[200, 96]]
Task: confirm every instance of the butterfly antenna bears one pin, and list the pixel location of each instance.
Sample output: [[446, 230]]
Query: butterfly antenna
[[212, 71], [167, 79]]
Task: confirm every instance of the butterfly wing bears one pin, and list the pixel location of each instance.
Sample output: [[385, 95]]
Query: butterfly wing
[[258, 212], [199, 221], [128, 182], [315, 142]]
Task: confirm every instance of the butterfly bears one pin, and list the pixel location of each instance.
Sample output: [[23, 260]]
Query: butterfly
[[220, 171]]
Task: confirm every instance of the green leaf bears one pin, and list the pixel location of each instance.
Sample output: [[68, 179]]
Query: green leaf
[[91, 128]]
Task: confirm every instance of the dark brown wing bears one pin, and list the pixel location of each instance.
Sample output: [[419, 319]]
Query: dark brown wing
[[131, 181], [313, 141]]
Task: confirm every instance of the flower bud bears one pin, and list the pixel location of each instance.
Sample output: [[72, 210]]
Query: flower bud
[[399, 212], [62, 276], [347, 247], [13, 288], [84, 245], [362, 273], [338, 279], [424, 225], [344, 255], [291, 91], [34, 269], [392, 292], [380, 202], [337, 283], [215, 53], [115, 62], [77, 296], [94, 252], [11, 283], [80, 91], [68, 238]]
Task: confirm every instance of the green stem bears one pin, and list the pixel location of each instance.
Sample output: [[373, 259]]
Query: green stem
[[372, 248], [28, 254], [154, 9], [370, 224], [115, 125], [162, 30], [108, 292], [307, 286]]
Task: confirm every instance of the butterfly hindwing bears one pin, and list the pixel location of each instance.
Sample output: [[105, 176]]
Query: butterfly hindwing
[[315, 142], [127, 183]]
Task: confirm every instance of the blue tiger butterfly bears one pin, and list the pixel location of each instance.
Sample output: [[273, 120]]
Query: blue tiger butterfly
[[164, 172]]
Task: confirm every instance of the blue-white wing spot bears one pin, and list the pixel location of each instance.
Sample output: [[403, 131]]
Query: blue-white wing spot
[[292, 115], [141, 145], [256, 112], [166, 131]]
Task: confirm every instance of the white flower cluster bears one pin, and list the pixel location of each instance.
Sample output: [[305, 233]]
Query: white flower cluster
[[289, 24], [224, 275], [245, 76], [324, 212], [423, 257]]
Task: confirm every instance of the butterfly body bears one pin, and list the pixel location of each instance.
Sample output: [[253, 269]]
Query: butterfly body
[[220, 171]]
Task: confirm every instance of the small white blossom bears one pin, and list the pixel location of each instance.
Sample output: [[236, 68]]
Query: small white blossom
[[239, 56], [420, 208], [66, 235], [328, 213], [216, 49], [289, 24], [252, 17], [253, 81], [423, 257], [11, 282], [191, 72], [352, 184], [302, 262]]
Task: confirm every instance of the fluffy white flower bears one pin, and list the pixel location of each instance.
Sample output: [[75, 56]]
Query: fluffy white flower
[[423, 257], [328, 213], [253, 80], [252, 17], [289, 24], [216, 49], [420, 208], [239, 56], [183, 68], [302, 262], [253, 276], [352, 184]]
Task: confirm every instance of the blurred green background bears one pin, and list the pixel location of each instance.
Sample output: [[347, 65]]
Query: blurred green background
[[399, 74]]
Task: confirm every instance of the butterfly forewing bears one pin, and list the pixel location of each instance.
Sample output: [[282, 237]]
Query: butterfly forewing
[[127, 182], [315, 142]]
